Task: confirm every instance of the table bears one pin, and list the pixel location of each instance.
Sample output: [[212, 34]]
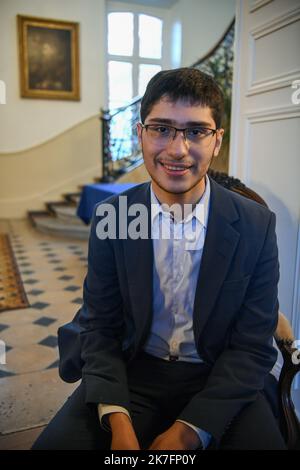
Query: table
[[94, 193]]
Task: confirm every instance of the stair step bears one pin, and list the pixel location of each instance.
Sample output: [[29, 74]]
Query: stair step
[[33, 214], [66, 213], [55, 226], [52, 205], [74, 198]]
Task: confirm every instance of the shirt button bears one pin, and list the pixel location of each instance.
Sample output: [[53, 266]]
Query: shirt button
[[174, 344]]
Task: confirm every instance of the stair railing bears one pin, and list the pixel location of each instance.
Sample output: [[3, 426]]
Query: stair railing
[[120, 146]]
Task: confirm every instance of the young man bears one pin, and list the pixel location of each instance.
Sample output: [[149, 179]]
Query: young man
[[177, 339]]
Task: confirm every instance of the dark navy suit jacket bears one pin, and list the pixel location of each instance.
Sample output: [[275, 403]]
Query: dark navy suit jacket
[[235, 308]]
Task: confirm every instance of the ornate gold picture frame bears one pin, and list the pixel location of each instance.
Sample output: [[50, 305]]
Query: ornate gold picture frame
[[49, 58]]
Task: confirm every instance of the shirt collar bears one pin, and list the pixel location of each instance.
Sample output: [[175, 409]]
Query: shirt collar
[[200, 212]]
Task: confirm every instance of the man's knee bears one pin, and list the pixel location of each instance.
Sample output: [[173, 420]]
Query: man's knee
[[254, 428], [75, 426]]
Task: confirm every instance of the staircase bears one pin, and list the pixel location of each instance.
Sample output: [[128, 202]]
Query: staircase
[[60, 219]]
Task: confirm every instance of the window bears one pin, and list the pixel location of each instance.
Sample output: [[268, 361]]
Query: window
[[146, 72], [119, 83], [120, 25], [150, 30], [134, 54]]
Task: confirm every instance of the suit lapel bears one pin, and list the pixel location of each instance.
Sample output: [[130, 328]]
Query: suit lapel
[[138, 255], [220, 244]]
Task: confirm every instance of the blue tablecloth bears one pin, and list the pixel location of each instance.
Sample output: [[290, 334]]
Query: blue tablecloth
[[94, 193]]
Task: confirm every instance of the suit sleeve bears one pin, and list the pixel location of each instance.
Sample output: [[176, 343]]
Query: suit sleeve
[[104, 371], [239, 372]]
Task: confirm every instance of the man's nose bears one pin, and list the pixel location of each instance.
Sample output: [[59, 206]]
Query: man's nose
[[178, 147]]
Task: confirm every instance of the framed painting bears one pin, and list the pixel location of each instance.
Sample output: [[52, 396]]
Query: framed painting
[[49, 58]]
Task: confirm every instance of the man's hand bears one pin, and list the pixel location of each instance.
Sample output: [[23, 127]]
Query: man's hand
[[123, 434], [179, 436]]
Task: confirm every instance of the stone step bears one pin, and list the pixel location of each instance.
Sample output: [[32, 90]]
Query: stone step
[[74, 198], [55, 226], [66, 213]]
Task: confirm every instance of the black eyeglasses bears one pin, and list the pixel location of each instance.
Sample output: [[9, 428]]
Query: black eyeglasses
[[162, 133]]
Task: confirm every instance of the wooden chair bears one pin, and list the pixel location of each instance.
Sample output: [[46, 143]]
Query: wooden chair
[[288, 419]]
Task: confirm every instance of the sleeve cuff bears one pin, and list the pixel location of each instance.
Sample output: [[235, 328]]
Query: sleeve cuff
[[105, 410], [204, 436]]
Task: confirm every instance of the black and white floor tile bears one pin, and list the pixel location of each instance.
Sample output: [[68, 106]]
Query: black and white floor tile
[[52, 271]]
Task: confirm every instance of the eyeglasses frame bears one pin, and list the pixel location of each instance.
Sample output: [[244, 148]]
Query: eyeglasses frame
[[214, 131]]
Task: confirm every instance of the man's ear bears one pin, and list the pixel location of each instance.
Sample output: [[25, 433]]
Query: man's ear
[[220, 133], [139, 130]]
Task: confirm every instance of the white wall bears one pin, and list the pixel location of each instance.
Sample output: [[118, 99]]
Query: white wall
[[266, 127], [202, 23], [24, 122]]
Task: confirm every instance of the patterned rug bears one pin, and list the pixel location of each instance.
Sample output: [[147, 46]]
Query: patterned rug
[[12, 294]]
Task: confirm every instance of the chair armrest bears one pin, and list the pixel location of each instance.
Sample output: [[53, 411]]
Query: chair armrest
[[289, 422]]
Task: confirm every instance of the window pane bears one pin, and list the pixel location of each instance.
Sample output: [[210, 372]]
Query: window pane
[[119, 83], [146, 72], [120, 33], [150, 37]]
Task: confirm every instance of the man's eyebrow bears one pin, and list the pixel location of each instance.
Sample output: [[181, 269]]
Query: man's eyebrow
[[173, 123]]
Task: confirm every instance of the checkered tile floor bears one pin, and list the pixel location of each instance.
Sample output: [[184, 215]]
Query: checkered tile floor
[[52, 271]]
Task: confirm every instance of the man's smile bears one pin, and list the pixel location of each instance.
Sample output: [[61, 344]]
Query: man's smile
[[175, 168]]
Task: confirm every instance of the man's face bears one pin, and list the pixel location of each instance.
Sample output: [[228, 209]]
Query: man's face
[[192, 160]]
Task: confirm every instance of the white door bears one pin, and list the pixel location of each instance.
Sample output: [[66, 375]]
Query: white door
[[265, 133]]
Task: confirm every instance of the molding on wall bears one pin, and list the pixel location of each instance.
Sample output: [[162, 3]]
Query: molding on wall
[[274, 114], [260, 116], [273, 83], [56, 136], [276, 81], [276, 23], [258, 4]]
